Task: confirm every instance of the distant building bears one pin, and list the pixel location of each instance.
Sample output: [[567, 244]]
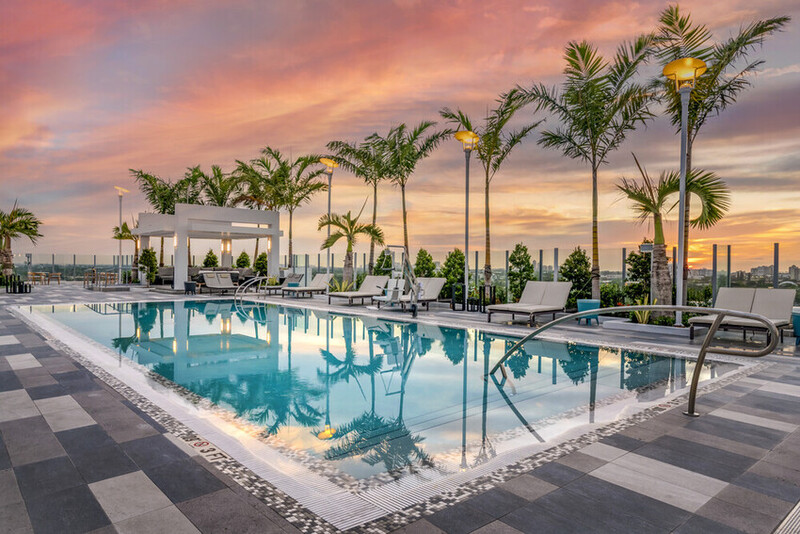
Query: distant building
[[762, 271], [794, 273]]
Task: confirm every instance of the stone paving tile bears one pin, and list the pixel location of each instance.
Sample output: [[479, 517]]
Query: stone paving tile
[[169, 520], [717, 442], [151, 452], [754, 500], [46, 391], [184, 479], [496, 527], [48, 476], [128, 495], [16, 404], [496, 502], [9, 381], [9, 489], [769, 486], [22, 361], [8, 340], [698, 462], [123, 425], [422, 526], [102, 462], [622, 441], [702, 525], [70, 510], [14, 519], [84, 439], [581, 462], [556, 474], [460, 519], [738, 517], [38, 376], [68, 419], [224, 511], [5, 460], [30, 440], [534, 519]]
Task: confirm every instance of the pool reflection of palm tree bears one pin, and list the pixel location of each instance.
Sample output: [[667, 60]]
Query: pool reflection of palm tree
[[347, 367]]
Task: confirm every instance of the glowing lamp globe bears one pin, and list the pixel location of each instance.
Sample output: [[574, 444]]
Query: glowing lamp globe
[[468, 139], [684, 71]]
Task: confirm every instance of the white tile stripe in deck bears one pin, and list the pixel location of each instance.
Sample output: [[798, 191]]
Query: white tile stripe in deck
[[754, 420]]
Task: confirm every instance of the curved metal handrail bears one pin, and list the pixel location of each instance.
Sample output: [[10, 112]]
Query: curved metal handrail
[[772, 337], [247, 285]]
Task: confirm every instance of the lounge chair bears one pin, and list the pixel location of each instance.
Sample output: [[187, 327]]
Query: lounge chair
[[774, 304], [218, 282], [371, 286], [319, 284], [293, 278], [537, 297], [430, 290]]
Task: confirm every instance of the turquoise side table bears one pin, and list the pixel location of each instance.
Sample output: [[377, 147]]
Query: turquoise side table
[[586, 305], [796, 325]]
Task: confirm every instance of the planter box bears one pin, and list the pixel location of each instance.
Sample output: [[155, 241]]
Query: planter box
[[627, 326]]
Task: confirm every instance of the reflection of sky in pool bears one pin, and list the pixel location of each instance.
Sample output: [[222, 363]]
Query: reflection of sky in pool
[[369, 395]]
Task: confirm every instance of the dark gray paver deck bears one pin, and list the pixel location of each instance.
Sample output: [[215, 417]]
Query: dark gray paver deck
[[75, 456]]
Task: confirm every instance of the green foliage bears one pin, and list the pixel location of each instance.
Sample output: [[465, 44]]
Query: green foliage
[[340, 285], [611, 295], [424, 265], [577, 269], [637, 285], [383, 265], [453, 271], [664, 320], [260, 265], [699, 296], [211, 259], [243, 261], [520, 270], [360, 278], [642, 316], [500, 295], [149, 261]]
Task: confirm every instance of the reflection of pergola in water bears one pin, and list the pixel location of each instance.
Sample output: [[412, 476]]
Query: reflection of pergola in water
[[211, 222]]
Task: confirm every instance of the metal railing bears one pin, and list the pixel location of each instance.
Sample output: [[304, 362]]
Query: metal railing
[[772, 338]]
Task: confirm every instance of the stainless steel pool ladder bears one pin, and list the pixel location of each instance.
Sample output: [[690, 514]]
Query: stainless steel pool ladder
[[772, 337], [258, 282]]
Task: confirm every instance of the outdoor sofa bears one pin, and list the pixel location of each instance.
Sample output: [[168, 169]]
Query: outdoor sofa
[[774, 304], [536, 298], [319, 284], [371, 286]]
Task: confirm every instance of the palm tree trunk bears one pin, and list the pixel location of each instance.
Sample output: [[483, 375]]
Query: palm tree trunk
[[487, 266], [374, 220], [347, 273], [289, 263], [661, 291], [595, 245], [161, 257], [255, 252], [189, 251], [7, 257], [405, 217]]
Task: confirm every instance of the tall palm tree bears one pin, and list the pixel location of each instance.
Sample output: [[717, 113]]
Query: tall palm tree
[[730, 70], [19, 222], [598, 104], [124, 234], [496, 144], [348, 227], [219, 189], [298, 183], [650, 198], [261, 186], [160, 195], [404, 149], [366, 161]]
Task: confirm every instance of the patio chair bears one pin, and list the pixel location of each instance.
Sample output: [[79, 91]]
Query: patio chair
[[537, 298], [218, 282], [429, 292], [774, 304], [319, 284], [371, 286], [293, 278]]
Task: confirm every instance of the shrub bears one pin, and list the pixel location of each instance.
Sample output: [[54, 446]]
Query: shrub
[[210, 259], [243, 261], [453, 271], [424, 265], [260, 265], [637, 285], [577, 269], [611, 295], [149, 261], [383, 264], [359, 279], [520, 270]]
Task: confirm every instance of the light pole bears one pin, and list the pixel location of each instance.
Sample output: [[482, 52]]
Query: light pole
[[120, 191], [469, 140], [329, 166], [684, 73]]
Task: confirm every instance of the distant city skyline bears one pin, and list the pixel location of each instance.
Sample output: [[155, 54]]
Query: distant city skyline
[[93, 89]]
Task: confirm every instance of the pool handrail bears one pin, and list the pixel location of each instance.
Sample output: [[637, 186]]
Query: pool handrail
[[258, 280], [772, 337]]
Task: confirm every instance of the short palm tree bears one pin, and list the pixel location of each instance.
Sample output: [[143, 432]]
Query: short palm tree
[[19, 222], [404, 148], [260, 186], [366, 161], [598, 104], [650, 199], [297, 184], [348, 227], [219, 189], [125, 234], [496, 144], [730, 70]]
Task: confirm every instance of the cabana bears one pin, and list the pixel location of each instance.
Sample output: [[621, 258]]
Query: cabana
[[194, 221]]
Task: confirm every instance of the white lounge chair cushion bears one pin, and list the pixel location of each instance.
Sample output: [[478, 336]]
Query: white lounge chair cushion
[[735, 298], [556, 294], [774, 304], [533, 292]]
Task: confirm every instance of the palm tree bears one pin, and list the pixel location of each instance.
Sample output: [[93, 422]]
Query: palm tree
[[297, 183], [160, 195], [494, 147], [125, 234], [261, 186], [346, 226], [730, 70], [219, 189], [366, 161], [19, 222], [649, 199], [404, 149], [599, 103]]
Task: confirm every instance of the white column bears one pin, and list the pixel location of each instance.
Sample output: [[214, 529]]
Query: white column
[[226, 259], [144, 244], [181, 259], [273, 255]]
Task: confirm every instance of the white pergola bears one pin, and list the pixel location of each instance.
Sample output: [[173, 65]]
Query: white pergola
[[193, 221]]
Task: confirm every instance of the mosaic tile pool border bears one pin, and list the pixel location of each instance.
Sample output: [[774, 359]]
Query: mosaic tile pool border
[[307, 521]]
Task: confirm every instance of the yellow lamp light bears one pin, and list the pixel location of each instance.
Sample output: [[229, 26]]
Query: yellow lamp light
[[121, 190], [468, 139], [329, 163], [684, 71], [328, 433]]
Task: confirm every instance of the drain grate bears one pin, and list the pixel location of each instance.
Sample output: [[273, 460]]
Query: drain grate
[[791, 524]]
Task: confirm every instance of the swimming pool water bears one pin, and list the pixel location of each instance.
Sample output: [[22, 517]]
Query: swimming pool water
[[370, 396]]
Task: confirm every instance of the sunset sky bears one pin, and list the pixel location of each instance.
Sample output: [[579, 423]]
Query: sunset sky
[[91, 89]]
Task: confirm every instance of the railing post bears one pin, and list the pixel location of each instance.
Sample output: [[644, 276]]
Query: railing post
[[775, 265], [319, 262], [305, 269], [476, 269], [674, 269], [624, 266], [508, 296], [555, 264], [713, 274], [74, 266], [541, 260], [94, 261], [729, 266], [54, 263]]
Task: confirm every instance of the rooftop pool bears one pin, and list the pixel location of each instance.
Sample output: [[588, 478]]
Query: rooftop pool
[[374, 400]]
